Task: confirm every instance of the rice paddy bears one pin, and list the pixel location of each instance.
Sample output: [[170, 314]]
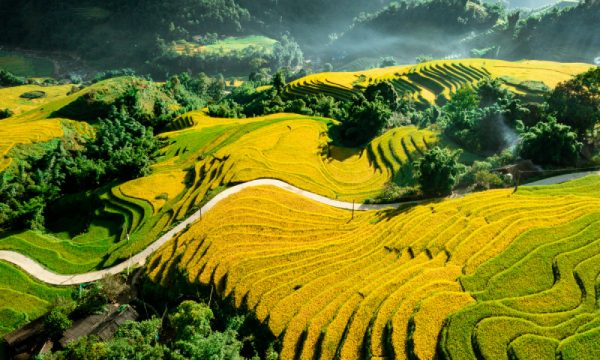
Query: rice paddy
[[227, 46], [434, 81], [391, 284], [490, 275], [23, 299], [10, 98]]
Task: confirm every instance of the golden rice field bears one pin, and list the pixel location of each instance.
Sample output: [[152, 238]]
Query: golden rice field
[[201, 160], [10, 98], [491, 275], [292, 148], [36, 121], [13, 131], [434, 81], [157, 189]]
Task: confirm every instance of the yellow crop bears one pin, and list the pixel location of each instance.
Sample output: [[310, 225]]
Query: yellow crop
[[429, 319], [288, 147], [13, 132], [10, 98], [428, 81], [156, 189], [329, 285]]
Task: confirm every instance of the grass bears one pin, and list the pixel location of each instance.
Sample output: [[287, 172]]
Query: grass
[[385, 283], [434, 81], [26, 65]]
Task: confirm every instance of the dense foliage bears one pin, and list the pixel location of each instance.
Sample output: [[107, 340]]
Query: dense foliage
[[122, 149], [437, 171], [142, 35], [9, 79], [366, 119], [550, 143], [480, 119], [440, 22], [577, 102], [6, 113], [568, 34], [189, 332]]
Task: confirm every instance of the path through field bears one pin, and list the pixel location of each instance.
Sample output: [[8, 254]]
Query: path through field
[[49, 277]]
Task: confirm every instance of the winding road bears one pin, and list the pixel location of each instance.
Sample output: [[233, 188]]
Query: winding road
[[42, 274]]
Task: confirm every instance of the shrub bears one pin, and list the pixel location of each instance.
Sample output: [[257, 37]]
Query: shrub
[[6, 113], [385, 91], [387, 61], [33, 95], [366, 120], [393, 193], [9, 79], [56, 322]]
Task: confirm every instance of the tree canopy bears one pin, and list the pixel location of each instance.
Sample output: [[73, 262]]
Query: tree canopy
[[437, 171], [550, 143]]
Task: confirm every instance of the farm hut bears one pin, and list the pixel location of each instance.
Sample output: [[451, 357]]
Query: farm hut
[[26, 341], [104, 325]]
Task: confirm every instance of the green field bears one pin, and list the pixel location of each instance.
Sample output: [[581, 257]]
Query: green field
[[228, 45], [26, 65], [23, 299]]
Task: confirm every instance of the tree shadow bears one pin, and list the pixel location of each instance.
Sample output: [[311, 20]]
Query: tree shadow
[[388, 214]]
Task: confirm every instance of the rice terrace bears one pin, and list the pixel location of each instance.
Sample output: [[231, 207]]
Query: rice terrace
[[197, 180]]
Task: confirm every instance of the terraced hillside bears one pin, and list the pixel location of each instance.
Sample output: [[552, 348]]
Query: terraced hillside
[[213, 154], [22, 298], [196, 164], [383, 284], [434, 81], [48, 118]]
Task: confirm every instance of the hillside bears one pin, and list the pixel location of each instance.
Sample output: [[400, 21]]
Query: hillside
[[383, 283], [480, 268], [434, 81]]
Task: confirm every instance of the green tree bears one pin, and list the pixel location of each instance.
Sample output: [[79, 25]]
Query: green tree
[[550, 143], [577, 102], [9, 79], [191, 318], [365, 120], [384, 90], [279, 82], [437, 171], [137, 340], [195, 339], [387, 61], [56, 322], [287, 53], [84, 348]]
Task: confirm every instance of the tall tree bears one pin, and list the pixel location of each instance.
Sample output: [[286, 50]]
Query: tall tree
[[577, 102]]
